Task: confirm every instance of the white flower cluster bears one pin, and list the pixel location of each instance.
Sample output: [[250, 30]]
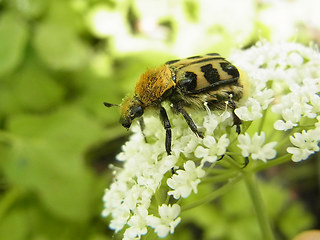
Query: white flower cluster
[[283, 81], [146, 165], [306, 143], [290, 73], [255, 147]]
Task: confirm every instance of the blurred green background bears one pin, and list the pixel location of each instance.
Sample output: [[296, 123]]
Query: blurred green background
[[61, 59]]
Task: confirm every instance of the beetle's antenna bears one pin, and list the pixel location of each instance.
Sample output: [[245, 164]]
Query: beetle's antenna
[[110, 104]]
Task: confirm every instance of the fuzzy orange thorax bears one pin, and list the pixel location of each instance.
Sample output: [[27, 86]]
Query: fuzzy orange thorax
[[153, 84]]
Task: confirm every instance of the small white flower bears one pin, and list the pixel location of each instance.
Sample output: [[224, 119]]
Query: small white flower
[[264, 97], [185, 181], [213, 120], [290, 111], [166, 164], [302, 101], [168, 219], [251, 111], [306, 143], [315, 102], [213, 150], [210, 123], [255, 147], [284, 125], [137, 224], [150, 179], [266, 152], [295, 59], [120, 218], [186, 144]]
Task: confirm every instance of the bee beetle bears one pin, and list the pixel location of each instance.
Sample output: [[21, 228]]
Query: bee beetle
[[185, 83]]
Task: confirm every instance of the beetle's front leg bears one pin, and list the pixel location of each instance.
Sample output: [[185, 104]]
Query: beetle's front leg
[[167, 126], [142, 127]]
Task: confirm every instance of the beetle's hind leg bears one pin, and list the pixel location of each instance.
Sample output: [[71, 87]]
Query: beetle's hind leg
[[236, 120], [167, 126], [227, 104], [190, 122]]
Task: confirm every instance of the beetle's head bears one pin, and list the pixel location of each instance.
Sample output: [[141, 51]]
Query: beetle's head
[[131, 108]]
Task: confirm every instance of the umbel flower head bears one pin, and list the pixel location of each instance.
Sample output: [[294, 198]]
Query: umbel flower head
[[280, 119]]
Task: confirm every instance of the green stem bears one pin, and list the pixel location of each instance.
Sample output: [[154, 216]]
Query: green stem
[[215, 194], [283, 143], [280, 160], [252, 186], [220, 177], [264, 116], [233, 162], [219, 171], [149, 236]]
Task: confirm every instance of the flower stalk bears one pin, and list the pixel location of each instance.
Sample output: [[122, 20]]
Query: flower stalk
[[259, 207]]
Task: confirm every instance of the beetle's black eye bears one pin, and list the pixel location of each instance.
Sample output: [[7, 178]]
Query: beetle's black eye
[[137, 111]]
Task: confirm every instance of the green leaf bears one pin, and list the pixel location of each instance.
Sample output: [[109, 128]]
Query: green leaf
[[6, 96], [14, 226], [63, 192], [69, 128], [34, 89], [60, 47], [95, 92], [295, 220], [47, 159], [13, 39]]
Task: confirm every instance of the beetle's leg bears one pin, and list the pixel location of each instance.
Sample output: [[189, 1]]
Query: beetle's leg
[[142, 127], [246, 162], [237, 122], [167, 126], [236, 119], [188, 119]]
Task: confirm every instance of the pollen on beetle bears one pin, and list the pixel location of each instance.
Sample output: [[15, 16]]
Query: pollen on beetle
[[153, 84]]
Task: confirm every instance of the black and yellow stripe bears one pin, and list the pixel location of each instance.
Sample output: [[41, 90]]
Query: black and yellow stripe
[[198, 73]]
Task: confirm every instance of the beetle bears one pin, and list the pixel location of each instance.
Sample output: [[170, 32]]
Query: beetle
[[185, 83]]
